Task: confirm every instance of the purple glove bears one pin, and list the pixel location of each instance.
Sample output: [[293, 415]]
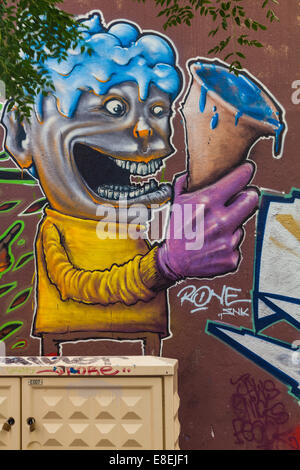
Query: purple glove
[[226, 205]]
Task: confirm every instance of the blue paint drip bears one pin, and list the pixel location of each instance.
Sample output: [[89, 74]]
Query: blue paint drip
[[243, 94], [278, 132], [214, 121], [32, 171], [238, 115], [202, 101]]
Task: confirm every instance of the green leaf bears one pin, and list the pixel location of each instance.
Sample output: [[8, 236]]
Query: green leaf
[[247, 23], [228, 55], [19, 300], [24, 259], [9, 328]]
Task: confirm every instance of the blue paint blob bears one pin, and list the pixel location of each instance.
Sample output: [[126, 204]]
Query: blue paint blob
[[214, 109], [202, 101], [214, 121], [243, 94]]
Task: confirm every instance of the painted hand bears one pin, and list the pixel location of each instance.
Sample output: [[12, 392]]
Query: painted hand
[[223, 208]]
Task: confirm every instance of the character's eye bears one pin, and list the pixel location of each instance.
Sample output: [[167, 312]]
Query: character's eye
[[115, 107], [157, 110]]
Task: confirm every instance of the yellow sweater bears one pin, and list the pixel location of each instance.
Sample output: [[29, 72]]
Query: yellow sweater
[[87, 284]]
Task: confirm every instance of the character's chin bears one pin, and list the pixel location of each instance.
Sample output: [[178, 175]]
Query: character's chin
[[118, 182]]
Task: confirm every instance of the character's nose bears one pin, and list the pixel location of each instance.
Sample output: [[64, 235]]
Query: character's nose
[[142, 129]]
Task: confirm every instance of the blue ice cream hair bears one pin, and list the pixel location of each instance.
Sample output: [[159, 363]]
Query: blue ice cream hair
[[92, 25], [119, 54], [125, 32]]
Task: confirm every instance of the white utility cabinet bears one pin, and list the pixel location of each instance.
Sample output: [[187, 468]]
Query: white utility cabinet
[[104, 403]]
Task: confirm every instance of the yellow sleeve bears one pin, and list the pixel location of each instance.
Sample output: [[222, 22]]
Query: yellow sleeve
[[127, 283]]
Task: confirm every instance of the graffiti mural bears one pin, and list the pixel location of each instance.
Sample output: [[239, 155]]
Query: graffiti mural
[[94, 146], [275, 292], [135, 219]]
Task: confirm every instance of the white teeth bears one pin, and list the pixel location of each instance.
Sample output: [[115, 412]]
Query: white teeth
[[115, 192], [120, 163], [141, 168], [133, 167], [153, 166]]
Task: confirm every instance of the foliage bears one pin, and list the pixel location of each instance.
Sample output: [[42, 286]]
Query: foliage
[[228, 17], [31, 31]]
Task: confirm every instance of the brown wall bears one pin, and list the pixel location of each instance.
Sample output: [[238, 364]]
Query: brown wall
[[211, 398]]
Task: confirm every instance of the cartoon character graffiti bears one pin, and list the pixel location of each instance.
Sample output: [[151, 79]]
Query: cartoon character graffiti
[[107, 123]]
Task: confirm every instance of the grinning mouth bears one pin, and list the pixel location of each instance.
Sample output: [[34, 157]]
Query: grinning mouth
[[113, 179]]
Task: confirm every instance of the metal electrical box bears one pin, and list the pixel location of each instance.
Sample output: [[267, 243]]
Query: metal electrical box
[[104, 403]]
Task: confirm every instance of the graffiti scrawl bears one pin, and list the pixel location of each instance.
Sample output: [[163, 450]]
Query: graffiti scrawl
[[259, 415]]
